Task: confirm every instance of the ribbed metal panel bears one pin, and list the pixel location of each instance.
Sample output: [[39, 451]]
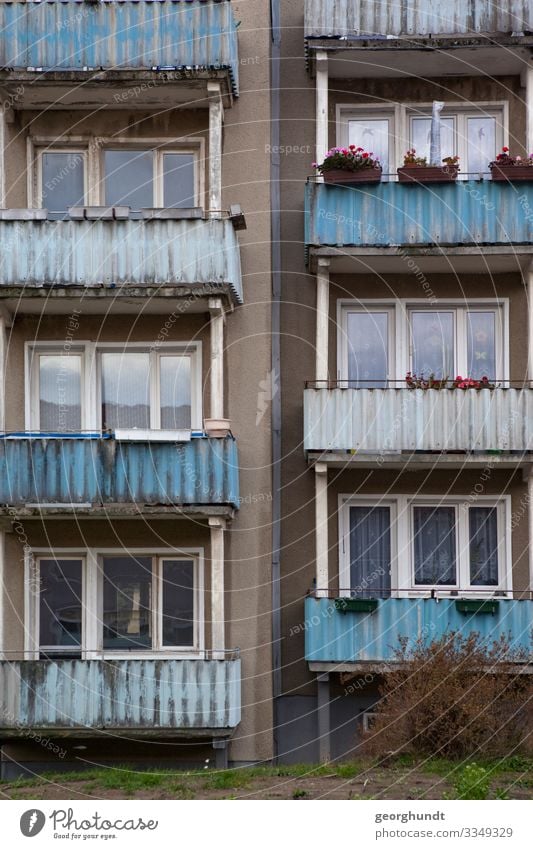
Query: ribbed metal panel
[[418, 420], [103, 471], [120, 694], [69, 35], [88, 253], [395, 214], [331, 636], [345, 18]]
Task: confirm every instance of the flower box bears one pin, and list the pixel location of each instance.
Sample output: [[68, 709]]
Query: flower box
[[427, 174], [341, 176], [475, 606], [356, 605], [511, 173]]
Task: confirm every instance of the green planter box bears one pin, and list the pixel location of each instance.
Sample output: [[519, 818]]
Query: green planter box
[[474, 606], [356, 605]]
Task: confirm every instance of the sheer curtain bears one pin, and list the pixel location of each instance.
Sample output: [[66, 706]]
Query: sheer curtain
[[126, 390], [483, 523], [434, 545], [370, 551], [60, 392]]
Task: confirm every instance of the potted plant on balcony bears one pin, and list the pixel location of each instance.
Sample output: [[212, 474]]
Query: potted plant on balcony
[[416, 169], [347, 165], [418, 381], [511, 168]]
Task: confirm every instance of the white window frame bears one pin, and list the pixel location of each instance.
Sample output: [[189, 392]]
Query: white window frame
[[32, 578], [37, 171], [92, 147], [91, 383], [400, 114], [400, 342], [402, 542], [92, 601]]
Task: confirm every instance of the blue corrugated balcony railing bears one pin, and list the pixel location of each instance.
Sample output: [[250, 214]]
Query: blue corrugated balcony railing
[[345, 18], [190, 35], [389, 214], [99, 471], [333, 636], [148, 697], [156, 252]]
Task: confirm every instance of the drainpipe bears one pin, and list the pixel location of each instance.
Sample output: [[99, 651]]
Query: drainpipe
[[275, 218]]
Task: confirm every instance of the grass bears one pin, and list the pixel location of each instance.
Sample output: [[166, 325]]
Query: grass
[[191, 784]]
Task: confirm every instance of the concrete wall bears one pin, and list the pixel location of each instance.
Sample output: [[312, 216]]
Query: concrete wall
[[298, 705], [246, 181]]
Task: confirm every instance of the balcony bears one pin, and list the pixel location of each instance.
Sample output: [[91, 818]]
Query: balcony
[[411, 26], [112, 261], [170, 46], [333, 636], [483, 226], [95, 472], [144, 697], [399, 426]]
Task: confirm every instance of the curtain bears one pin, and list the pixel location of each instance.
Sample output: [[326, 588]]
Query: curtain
[[126, 390], [370, 551], [434, 545], [483, 523], [60, 392]]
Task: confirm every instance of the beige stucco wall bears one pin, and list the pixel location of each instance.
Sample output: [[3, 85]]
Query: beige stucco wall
[[299, 324], [246, 181]]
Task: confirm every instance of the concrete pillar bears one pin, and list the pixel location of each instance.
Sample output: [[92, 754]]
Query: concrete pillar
[[530, 524], [321, 528], [324, 718], [217, 358], [3, 598], [3, 352], [221, 753], [31, 607], [216, 119], [217, 527], [322, 84], [2, 158], [322, 319], [529, 293]]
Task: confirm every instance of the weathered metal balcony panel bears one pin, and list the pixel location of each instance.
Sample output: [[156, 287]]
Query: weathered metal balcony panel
[[114, 253], [332, 636], [95, 471], [147, 696], [408, 420], [124, 35], [345, 18], [389, 214]]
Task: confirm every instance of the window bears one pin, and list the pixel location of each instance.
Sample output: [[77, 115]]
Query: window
[[422, 544], [475, 132], [143, 179], [446, 341], [132, 602], [138, 389], [60, 606], [62, 180], [475, 136], [131, 618]]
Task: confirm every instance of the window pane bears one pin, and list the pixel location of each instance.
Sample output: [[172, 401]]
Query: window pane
[[175, 392], [59, 392], [434, 545], [178, 180], [421, 136], [125, 390], [129, 177], [178, 603], [127, 602], [368, 348], [433, 343], [481, 330], [483, 523], [370, 551], [481, 144], [63, 184], [373, 135], [60, 603]]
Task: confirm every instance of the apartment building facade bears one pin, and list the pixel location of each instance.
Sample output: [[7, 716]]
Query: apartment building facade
[[135, 468], [406, 510]]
